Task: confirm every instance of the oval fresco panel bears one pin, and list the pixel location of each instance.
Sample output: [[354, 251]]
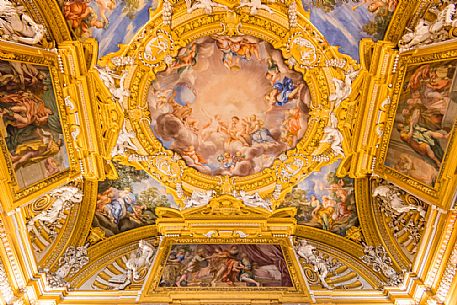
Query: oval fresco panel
[[229, 105]]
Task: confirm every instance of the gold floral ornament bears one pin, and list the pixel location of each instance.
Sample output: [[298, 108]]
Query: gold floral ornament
[[305, 82]]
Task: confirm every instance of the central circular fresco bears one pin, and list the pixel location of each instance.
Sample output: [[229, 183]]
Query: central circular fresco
[[229, 105]]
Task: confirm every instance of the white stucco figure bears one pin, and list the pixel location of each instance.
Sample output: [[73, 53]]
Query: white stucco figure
[[199, 199], [64, 197], [17, 26]]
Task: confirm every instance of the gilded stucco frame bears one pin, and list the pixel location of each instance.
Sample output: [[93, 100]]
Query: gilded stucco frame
[[153, 293], [163, 164], [10, 192], [441, 194]]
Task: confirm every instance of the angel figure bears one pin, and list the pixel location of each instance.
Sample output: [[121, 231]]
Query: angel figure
[[255, 5], [124, 142], [333, 136], [199, 199], [206, 5], [253, 200], [343, 89], [108, 78]]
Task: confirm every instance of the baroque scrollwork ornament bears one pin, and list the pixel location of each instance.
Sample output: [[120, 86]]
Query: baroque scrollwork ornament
[[170, 42], [443, 27], [64, 197], [70, 263], [378, 259], [136, 267]]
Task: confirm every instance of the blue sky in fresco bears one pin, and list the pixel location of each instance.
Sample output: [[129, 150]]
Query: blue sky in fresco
[[316, 183], [120, 29], [342, 26]]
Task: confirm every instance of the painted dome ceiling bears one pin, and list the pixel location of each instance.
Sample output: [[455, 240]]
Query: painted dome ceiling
[[173, 152]]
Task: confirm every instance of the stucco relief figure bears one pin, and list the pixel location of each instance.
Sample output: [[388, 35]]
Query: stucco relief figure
[[333, 136], [307, 252], [17, 26], [253, 200], [109, 78], [203, 106], [206, 5], [64, 197], [343, 88], [124, 142], [255, 5], [198, 199], [391, 197], [136, 266], [426, 32]]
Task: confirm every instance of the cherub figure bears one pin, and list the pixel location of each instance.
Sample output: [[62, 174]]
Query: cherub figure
[[206, 5], [255, 5]]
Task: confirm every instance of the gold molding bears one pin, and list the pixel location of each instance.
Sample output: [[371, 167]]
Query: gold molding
[[442, 193], [153, 293], [12, 196]]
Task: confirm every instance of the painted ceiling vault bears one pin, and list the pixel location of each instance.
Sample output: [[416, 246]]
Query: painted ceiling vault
[[228, 152]]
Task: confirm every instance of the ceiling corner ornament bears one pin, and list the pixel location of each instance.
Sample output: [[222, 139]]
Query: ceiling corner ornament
[[391, 199], [427, 32], [51, 208], [17, 26], [172, 128], [404, 215], [70, 263], [323, 270], [378, 259], [130, 269]]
